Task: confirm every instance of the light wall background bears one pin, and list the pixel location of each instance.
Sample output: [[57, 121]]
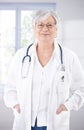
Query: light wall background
[[71, 15], [72, 36]]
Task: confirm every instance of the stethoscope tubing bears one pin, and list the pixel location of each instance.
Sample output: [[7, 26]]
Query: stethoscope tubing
[[27, 54], [61, 54], [27, 58]]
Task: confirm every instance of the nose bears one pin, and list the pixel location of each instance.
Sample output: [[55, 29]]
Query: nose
[[45, 27]]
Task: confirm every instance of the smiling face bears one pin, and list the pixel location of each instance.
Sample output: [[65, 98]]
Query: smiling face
[[45, 30]]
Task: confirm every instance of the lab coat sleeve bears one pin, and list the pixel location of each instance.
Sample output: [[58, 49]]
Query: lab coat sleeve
[[76, 98], [10, 91]]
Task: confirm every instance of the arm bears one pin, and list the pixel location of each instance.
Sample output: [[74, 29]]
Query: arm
[[10, 93], [76, 99]]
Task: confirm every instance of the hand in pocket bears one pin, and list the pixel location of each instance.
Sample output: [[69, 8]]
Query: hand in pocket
[[17, 108], [61, 108]]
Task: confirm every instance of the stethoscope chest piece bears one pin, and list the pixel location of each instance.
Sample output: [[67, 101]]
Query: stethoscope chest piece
[[62, 67], [61, 73]]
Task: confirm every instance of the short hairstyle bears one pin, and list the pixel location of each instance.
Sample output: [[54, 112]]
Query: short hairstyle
[[43, 14]]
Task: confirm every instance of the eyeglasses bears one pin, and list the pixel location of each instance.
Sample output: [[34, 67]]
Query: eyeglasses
[[49, 25]]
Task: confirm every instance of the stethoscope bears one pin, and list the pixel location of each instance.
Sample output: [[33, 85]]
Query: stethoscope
[[27, 54], [27, 60]]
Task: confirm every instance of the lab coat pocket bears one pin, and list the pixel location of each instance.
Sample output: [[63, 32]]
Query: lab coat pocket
[[65, 115], [62, 88], [19, 123], [63, 81], [62, 120], [17, 115], [61, 84]]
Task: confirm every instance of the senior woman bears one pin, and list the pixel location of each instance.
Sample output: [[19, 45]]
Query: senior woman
[[41, 78]]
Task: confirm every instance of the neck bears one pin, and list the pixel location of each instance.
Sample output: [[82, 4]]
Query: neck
[[45, 47]]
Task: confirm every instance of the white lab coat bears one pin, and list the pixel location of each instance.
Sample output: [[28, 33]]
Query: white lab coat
[[70, 92]]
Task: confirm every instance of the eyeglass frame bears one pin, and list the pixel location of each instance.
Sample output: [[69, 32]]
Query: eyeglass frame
[[48, 25]]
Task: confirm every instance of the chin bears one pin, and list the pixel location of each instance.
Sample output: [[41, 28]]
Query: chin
[[45, 39]]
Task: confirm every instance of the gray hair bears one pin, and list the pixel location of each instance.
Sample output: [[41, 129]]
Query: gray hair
[[43, 14]]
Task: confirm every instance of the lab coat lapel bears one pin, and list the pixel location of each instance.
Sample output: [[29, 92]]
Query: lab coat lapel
[[28, 95], [52, 103]]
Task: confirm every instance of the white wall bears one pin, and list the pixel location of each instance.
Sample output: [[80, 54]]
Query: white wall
[[70, 9], [72, 23], [72, 20]]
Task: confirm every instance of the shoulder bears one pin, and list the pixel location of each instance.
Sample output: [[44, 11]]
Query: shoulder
[[68, 53], [17, 58], [22, 51], [70, 58]]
